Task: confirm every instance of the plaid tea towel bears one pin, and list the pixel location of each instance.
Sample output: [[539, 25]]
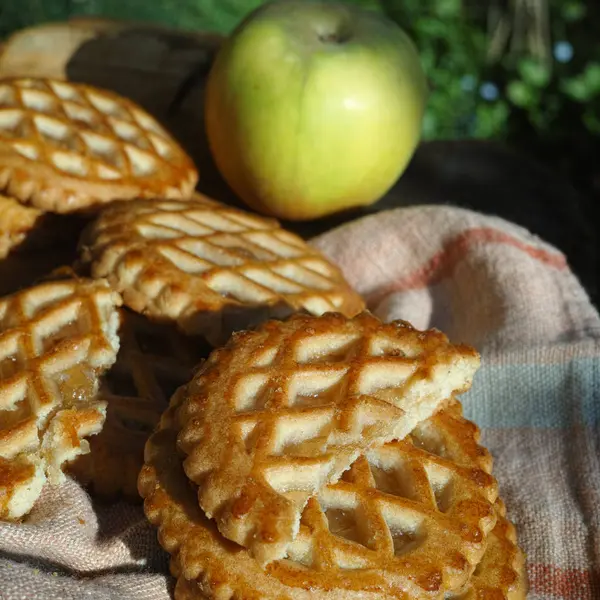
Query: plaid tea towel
[[537, 398]]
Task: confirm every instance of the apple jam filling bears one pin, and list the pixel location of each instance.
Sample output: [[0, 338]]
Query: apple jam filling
[[77, 384]]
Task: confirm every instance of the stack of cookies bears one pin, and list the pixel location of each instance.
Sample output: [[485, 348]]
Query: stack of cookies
[[286, 443], [328, 457]]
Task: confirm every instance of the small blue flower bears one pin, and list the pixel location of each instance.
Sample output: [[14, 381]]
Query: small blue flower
[[563, 51], [489, 91], [468, 83]]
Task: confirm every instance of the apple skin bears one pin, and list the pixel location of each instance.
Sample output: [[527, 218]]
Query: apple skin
[[314, 107]]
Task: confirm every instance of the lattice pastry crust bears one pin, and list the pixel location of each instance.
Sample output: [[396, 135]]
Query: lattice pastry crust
[[407, 520], [281, 411], [211, 268], [55, 341], [68, 146]]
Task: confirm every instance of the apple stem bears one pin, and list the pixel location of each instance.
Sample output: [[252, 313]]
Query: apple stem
[[332, 38]]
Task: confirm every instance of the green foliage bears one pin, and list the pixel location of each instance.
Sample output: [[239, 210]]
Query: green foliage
[[572, 10], [585, 86], [215, 15], [470, 96], [473, 97]]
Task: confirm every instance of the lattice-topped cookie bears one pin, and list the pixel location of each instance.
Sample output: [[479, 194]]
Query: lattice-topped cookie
[[153, 361], [55, 341], [210, 267], [68, 146], [16, 221], [407, 520], [281, 411]]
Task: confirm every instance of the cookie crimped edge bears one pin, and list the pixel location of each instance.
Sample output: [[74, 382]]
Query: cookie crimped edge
[[40, 186]]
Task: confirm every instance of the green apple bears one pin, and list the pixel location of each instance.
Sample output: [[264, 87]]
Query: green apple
[[314, 107]]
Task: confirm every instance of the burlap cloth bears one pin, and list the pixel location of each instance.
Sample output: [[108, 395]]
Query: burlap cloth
[[537, 398]]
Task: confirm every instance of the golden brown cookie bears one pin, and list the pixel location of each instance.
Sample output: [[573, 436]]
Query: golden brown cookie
[[211, 268], [67, 146], [56, 339], [281, 411]]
